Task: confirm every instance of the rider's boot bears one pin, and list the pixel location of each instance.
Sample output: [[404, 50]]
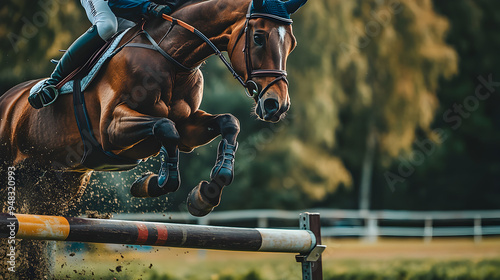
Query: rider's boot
[[77, 54]]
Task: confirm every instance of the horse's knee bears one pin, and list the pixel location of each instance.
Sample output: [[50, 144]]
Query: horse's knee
[[164, 130], [229, 124]]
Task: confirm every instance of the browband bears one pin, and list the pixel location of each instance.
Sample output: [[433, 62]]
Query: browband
[[270, 16]]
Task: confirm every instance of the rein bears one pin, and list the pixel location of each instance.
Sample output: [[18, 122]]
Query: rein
[[202, 36]]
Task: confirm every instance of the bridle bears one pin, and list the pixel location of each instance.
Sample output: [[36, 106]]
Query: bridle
[[251, 87]]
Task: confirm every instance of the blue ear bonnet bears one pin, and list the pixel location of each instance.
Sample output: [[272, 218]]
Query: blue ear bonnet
[[278, 8]]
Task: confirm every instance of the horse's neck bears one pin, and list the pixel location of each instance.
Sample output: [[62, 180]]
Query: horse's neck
[[217, 19]]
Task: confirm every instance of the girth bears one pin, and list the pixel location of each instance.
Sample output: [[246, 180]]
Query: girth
[[94, 157]]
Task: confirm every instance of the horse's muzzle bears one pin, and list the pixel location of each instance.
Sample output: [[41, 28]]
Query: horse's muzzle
[[269, 109]]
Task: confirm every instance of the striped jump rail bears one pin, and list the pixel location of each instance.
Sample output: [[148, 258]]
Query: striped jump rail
[[305, 241]]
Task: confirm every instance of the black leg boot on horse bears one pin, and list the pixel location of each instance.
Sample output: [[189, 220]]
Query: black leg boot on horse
[[76, 55], [168, 179], [206, 196]]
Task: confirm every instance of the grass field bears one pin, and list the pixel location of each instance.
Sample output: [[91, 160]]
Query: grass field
[[344, 259]]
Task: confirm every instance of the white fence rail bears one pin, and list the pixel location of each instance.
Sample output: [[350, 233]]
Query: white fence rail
[[366, 224]]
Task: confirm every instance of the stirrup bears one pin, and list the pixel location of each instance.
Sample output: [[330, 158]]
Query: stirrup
[[44, 97], [54, 90]]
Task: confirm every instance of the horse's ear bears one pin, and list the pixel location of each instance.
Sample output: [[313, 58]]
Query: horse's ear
[[257, 4], [293, 5]]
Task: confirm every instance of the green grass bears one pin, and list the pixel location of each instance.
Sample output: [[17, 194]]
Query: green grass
[[415, 269], [259, 269], [393, 260]]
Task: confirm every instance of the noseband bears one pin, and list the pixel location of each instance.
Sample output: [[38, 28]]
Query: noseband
[[251, 87]]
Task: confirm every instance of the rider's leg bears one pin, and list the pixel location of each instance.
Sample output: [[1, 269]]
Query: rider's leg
[[105, 25]]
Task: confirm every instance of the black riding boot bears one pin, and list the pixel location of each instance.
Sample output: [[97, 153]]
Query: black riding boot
[[76, 55]]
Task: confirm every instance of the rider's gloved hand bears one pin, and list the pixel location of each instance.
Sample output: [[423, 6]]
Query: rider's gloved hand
[[155, 10]]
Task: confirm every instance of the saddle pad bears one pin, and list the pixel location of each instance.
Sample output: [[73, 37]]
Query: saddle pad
[[68, 87]]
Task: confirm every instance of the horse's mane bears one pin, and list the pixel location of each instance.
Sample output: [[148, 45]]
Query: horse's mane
[[191, 2]]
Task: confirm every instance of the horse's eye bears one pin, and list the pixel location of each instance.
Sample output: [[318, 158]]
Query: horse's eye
[[258, 39]]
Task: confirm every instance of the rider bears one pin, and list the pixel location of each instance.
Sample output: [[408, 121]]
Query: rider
[[103, 15]]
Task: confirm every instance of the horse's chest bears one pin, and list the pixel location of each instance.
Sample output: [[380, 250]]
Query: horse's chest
[[186, 99], [181, 110]]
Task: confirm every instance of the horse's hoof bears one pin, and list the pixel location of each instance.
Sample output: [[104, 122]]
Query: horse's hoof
[[203, 198], [140, 186], [147, 186]]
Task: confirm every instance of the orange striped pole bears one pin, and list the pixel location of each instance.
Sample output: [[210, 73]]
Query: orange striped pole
[[303, 241], [157, 234]]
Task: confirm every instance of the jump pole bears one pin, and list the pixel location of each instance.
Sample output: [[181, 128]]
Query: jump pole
[[305, 241]]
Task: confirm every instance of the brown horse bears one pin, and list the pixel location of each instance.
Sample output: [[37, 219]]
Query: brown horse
[[141, 104]]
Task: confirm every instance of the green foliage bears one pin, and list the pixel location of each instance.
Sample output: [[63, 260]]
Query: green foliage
[[32, 32], [462, 171]]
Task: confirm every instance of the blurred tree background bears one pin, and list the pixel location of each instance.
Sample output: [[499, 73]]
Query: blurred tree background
[[394, 106]]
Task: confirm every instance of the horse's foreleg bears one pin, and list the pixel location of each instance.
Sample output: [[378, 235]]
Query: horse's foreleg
[[130, 128], [204, 197]]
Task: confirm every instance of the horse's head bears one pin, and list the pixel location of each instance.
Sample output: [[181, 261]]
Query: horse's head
[[259, 53]]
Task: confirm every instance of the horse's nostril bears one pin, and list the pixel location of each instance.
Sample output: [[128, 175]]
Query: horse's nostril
[[271, 106]]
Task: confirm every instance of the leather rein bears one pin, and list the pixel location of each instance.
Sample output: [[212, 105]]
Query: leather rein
[[251, 87]]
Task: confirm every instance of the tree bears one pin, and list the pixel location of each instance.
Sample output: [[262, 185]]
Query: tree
[[32, 32], [462, 171]]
